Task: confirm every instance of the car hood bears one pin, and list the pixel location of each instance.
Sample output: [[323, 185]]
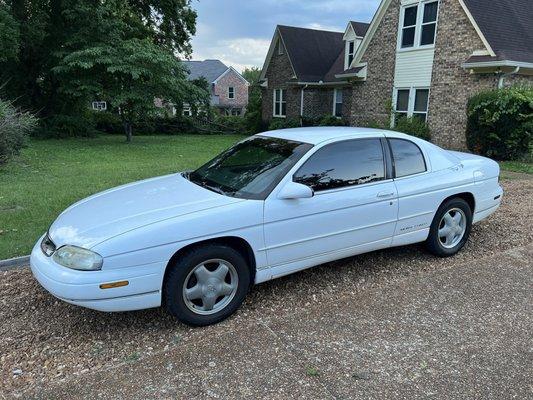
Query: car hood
[[124, 208]]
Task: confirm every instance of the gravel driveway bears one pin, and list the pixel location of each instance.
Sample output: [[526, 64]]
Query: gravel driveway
[[391, 324]]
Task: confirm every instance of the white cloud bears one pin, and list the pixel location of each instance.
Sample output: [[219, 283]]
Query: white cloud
[[322, 27], [238, 53]]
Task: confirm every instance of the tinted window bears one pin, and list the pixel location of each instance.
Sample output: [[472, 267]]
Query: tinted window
[[251, 168], [408, 158], [346, 163]]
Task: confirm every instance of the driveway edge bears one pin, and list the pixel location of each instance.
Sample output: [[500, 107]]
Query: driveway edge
[[16, 262]]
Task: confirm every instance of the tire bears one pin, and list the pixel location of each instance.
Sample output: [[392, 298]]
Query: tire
[[203, 296], [447, 245]]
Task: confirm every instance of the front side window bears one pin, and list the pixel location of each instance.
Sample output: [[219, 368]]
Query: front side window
[[251, 168], [346, 163], [407, 157], [412, 102], [419, 25], [280, 105], [337, 103], [231, 92]]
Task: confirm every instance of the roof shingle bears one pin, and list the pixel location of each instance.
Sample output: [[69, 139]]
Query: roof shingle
[[507, 25], [209, 69]]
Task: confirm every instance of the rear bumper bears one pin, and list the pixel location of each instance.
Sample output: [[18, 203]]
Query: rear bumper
[[82, 288], [489, 205]]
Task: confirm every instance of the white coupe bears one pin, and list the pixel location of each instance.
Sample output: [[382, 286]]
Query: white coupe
[[271, 205]]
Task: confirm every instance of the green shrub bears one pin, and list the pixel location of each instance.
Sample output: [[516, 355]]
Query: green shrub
[[412, 126], [230, 123], [283, 123], [331, 120], [108, 122], [63, 126], [15, 126], [500, 123]]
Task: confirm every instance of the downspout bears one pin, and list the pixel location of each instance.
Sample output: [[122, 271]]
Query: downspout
[[302, 105], [503, 76]]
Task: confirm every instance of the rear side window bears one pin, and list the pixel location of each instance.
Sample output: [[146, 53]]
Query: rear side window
[[347, 163], [408, 159]]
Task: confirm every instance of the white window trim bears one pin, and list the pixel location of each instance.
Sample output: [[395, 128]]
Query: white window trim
[[281, 101], [411, 104], [418, 27], [230, 96], [335, 103]]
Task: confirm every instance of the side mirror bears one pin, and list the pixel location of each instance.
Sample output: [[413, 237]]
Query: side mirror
[[294, 190]]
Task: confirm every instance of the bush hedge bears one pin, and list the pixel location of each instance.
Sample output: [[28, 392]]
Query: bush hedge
[[500, 123], [15, 126], [412, 126]]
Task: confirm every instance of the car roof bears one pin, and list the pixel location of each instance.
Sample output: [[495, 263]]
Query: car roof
[[316, 135]]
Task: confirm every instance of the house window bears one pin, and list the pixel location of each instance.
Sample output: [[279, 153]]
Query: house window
[[187, 111], [231, 92], [351, 52], [99, 105], [337, 102], [280, 105], [429, 24], [409, 26], [280, 48], [419, 24], [412, 102]]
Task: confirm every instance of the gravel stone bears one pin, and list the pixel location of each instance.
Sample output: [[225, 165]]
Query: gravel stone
[[289, 324]]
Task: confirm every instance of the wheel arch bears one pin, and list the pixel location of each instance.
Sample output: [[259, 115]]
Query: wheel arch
[[466, 196], [235, 242]]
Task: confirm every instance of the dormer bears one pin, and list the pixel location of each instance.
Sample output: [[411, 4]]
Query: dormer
[[353, 36]]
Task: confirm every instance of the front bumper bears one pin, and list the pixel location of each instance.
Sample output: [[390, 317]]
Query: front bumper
[[82, 288]]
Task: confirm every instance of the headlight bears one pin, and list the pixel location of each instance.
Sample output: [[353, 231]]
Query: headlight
[[78, 258]]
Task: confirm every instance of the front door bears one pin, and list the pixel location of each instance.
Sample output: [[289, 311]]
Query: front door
[[354, 208]]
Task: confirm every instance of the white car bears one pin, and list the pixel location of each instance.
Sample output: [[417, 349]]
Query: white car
[[271, 205]]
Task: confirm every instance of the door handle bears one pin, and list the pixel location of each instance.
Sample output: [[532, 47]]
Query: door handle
[[385, 195]]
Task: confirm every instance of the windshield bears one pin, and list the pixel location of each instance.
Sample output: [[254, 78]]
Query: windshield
[[251, 168]]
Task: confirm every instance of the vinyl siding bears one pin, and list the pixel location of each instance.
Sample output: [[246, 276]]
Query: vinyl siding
[[413, 68]]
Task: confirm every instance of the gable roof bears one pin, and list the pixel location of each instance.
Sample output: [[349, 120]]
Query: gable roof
[[209, 69], [507, 26], [311, 51], [504, 26], [360, 28], [315, 55]]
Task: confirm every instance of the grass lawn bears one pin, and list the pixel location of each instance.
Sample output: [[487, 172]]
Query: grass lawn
[[517, 166], [52, 174]]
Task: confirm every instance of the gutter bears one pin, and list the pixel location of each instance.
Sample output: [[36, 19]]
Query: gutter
[[302, 104], [504, 63]]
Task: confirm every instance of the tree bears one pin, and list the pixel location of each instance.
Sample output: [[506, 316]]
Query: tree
[[252, 75], [59, 72], [9, 36], [254, 120]]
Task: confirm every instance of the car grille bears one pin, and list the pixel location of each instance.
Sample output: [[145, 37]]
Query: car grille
[[47, 246]]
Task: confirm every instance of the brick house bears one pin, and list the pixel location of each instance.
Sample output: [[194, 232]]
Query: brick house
[[229, 89], [422, 58]]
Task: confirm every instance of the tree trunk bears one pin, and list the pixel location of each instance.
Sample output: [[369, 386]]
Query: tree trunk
[[128, 131]]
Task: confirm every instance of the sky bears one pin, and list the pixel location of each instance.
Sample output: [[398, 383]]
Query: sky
[[238, 32]]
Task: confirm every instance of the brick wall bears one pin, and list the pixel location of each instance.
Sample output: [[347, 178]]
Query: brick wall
[[279, 72], [318, 102], [370, 100], [241, 91]]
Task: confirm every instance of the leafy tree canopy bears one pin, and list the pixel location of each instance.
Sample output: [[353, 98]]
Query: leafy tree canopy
[[71, 52]]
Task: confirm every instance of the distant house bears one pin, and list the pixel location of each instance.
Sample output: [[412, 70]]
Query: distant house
[[422, 58], [229, 89]]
